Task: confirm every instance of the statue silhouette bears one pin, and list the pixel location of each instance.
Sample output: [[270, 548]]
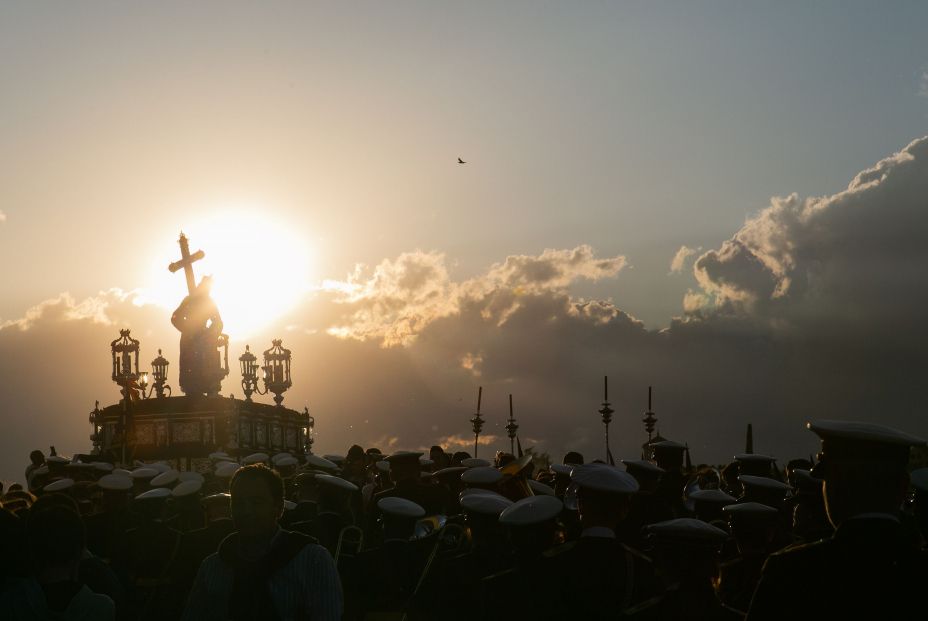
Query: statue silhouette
[[200, 327]]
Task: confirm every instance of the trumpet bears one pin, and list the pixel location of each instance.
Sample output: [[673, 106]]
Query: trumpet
[[350, 535]]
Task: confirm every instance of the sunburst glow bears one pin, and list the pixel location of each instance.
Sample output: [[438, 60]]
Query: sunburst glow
[[260, 268]]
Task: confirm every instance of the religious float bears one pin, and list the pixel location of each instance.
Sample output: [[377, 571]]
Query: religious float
[[149, 423]]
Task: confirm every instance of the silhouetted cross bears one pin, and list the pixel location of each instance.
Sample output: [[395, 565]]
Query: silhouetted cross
[[186, 262]]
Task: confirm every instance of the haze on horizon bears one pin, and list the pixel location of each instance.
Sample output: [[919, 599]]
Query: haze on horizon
[[725, 202]]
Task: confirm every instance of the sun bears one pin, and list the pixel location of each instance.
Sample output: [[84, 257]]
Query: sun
[[260, 268]]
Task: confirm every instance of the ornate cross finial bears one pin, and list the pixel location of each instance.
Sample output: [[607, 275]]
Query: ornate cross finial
[[476, 421], [186, 262]]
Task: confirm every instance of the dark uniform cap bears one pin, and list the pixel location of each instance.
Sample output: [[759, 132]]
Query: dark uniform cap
[[540, 489], [336, 483], [562, 469], [60, 485], [806, 484], [321, 463], [857, 441], [224, 500], [486, 475], [919, 479], [687, 532], [485, 504]]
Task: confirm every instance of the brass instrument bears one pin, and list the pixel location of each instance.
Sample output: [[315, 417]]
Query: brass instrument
[[343, 537], [514, 486]]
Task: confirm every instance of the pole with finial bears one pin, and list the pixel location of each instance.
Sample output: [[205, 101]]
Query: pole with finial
[[511, 429], [649, 419], [476, 421], [606, 412]]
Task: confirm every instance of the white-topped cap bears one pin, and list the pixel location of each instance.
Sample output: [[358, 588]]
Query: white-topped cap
[[144, 473], [383, 465], [190, 475], [604, 478], [164, 479], [226, 469], [540, 488], [57, 459], [287, 461], [160, 466], [337, 482], [488, 503], [122, 471], [713, 495], [289, 505], [452, 472], [864, 432], [335, 459], [643, 465], [279, 456], [115, 483], [59, 486], [187, 488], [320, 463], [754, 457], [562, 469], [425, 462], [688, 530], [102, 466], [531, 510], [669, 444], [255, 458], [475, 462], [158, 493], [482, 475], [400, 507], [749, 508], [763, 482], [220, 456]]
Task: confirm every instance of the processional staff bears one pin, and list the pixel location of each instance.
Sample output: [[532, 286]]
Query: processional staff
[[606, 413], [511, 429], [476, 421]]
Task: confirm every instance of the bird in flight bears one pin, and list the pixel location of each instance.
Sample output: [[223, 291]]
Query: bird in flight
[[460, 161]]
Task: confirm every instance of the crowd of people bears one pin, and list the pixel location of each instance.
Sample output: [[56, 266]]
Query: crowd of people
[[449, 536]]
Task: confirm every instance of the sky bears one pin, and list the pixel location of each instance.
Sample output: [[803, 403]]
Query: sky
[[723, 200]]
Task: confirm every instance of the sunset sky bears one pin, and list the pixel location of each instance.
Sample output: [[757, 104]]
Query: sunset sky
[[729, 202]]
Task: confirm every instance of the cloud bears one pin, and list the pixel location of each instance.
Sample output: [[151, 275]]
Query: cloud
[[856, 257], [2, 217], [398, 299], [679, 259], [923, 83]]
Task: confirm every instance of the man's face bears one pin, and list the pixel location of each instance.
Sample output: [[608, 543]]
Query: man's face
[[254, 511]]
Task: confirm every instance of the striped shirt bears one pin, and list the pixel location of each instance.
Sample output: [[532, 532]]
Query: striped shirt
[[307, 588]]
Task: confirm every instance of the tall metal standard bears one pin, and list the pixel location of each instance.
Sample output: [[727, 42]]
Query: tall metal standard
[[606, 413], [511, 429], [476, 421], [650, 419]]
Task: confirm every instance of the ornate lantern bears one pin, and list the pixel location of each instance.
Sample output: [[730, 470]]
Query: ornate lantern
[[277, 370], [249, 366], [160, 372], [125, 352]]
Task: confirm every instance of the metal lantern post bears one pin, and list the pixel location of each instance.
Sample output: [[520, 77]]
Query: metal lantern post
[[511, 429], [476, 421], [606, 413], [125, 351], [249, 366], [159, 371], [277, 370]]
